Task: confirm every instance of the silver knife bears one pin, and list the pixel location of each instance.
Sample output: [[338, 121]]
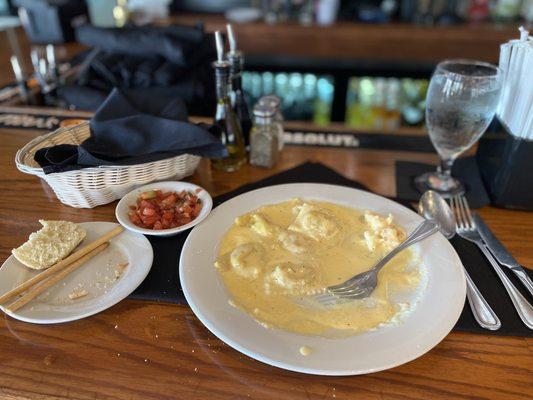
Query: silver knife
[[501, 253]]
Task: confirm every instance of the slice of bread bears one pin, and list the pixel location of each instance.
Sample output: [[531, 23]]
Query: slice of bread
[[49, 245]]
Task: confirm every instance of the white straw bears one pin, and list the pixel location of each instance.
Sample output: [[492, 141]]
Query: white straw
[[528, 125], [17, 70], [505, 57], [42, 67], [34, 59], [51, 55], [516, 103], [523, 34], [524, 108]]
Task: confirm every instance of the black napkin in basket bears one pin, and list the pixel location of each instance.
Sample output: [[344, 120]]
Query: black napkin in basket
[[130, 128], [162, 283]]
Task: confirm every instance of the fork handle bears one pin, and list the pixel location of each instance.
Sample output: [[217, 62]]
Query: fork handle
[[422, 231], [483, 313], [522, 306]]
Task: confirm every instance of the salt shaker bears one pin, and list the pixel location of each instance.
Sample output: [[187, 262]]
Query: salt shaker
[[275, 102], [264, 148]]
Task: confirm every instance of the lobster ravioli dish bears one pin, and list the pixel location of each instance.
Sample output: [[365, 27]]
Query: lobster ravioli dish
[[274, 258]]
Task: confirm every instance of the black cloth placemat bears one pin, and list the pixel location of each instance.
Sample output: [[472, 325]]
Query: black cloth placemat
[[492, 289], [465, 169], [162, 284]]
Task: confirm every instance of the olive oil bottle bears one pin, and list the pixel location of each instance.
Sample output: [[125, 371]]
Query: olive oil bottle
[[225, 118], [238, 102]]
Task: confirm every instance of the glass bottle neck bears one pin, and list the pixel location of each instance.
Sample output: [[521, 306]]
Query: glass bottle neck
[[236, 82], [222, 82], [236, 67]]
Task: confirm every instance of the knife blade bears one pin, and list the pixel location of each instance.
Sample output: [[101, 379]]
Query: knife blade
[[503, 255]]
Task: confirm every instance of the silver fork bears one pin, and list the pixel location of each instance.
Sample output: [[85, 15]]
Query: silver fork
[[363, 284], [466, 228]]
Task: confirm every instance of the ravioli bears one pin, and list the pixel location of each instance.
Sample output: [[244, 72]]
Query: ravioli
[[381, 234], [316, 222], [294, 278], [296, 243], [272, 258], [260, 225], [246, 259]]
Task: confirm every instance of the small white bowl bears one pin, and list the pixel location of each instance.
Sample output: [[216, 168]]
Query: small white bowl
[[123, 206]]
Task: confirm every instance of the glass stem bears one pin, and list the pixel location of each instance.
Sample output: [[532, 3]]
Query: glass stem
[[445, 167]]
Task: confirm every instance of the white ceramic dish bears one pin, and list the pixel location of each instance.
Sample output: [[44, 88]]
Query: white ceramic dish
[[122, 209], [97, 276], [438, 309]]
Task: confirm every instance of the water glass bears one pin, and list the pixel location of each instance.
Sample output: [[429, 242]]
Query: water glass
[[461, 101]]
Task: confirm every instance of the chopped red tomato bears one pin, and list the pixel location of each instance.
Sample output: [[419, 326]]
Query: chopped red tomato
[[158, 210], [149, 211]]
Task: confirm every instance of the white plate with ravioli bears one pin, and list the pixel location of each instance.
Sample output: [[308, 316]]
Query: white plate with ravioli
[[100, 283], [274, 247]]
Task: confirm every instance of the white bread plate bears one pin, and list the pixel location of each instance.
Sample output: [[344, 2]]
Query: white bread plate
[[97, 277]]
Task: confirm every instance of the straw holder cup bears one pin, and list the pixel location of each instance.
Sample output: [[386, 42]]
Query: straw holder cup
[[506, 166]]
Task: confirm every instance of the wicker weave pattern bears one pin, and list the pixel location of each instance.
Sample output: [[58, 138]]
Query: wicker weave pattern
[[91, 187]]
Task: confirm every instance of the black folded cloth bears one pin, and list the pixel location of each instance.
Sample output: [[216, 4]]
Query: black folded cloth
[[175, 43], [172, 59], [82, 97], [131, 128]]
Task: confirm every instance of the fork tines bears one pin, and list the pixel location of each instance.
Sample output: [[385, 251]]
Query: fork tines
[[462, 213]]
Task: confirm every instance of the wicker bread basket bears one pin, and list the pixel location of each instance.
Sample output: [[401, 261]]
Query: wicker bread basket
[[94, 186]]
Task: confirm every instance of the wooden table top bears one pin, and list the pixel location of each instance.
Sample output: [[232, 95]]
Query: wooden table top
[[145, 350]]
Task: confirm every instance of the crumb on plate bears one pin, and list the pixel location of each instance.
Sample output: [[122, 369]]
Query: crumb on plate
[[77, 293], [120, 269]]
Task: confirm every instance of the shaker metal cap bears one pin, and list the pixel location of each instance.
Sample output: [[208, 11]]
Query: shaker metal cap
[[264, 110], [271, 100]]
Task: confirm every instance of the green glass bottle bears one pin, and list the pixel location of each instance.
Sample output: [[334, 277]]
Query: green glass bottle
[[225, 118]]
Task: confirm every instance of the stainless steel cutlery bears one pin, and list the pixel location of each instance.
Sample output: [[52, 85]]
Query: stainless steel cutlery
[[467, 229], [503, 256]]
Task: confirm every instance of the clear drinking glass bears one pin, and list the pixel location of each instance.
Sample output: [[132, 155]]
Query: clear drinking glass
[[461, 101]]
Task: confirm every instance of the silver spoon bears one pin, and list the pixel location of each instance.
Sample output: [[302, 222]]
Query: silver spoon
[[434, 208]]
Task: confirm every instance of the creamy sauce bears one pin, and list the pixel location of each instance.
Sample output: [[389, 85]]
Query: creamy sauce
[[276, 256], [305, 350]]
